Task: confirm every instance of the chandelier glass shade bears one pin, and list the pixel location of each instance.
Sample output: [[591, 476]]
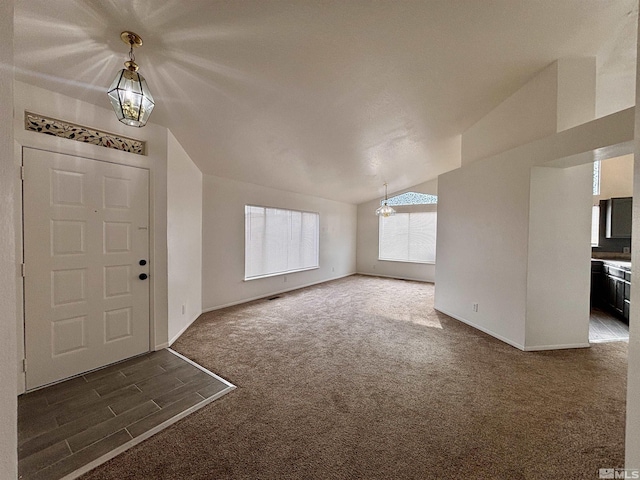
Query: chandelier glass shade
[[385, 210], [129, 94]]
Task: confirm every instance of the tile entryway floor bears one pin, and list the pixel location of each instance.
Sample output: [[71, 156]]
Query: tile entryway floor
[[66, 429], [604, 327]]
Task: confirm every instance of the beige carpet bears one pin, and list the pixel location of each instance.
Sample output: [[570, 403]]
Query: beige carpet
[[361, 378]]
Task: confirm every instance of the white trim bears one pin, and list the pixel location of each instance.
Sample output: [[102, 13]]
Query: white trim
[[610, 340], [182, 330], [208, 372], [534, 348], [267, 295], [405, 261], [537, 348], [484, 330], [275, 274], [141, 438], [396, 277]]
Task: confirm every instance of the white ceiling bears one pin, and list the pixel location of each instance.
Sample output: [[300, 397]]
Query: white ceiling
[[330, 98]]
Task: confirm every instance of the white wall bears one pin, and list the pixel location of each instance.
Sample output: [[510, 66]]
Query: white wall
[[481, 246], [559, 252], [616, 81], [632, 440], [184, 239], [58, 106], [223, 241], [576, 92], [559, 97], [483, 226], [367, 243], [616, 178], [528, 114], [503, 227], [9, 278]]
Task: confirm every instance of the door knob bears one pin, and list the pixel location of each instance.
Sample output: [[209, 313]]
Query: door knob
[[142, 262], [143, 276]]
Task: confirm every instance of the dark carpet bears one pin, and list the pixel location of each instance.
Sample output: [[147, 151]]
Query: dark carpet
[[361, 378]]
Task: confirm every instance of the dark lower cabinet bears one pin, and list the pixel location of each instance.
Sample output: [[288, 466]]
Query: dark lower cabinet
[[615, 297], [598, 284], [612, 289], [625, 313]]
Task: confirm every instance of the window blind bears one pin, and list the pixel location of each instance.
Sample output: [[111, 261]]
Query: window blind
[[408, 237], [279, 241]]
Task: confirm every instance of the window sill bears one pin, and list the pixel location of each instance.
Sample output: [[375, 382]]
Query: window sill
[[405, 261], [279, 274]]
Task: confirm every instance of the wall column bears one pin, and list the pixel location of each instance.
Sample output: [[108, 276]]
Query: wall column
[[9, 277]]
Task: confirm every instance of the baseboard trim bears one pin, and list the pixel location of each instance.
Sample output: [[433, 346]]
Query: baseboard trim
[[533, 348], [483, 329], [537, 348], [267, 295], [396, 277], [182, 330]]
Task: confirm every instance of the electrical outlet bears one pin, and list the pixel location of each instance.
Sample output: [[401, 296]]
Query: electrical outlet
[[184, 309], [475, 307], [333, 269]]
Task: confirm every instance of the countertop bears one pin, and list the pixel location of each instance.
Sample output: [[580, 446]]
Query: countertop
[[616, 263]]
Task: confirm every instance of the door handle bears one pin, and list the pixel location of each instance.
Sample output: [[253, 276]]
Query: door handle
[[143, 276]]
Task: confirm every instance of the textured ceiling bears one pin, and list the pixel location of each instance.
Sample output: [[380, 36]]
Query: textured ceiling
[[330, 98]]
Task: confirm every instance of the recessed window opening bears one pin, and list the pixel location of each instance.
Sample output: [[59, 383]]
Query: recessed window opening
[[409, 235], [279, 241]]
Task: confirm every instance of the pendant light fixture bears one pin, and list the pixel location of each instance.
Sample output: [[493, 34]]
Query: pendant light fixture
[[385, 210], [129, 93]]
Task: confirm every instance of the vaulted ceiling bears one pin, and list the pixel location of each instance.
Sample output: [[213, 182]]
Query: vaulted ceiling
[[329, 98]]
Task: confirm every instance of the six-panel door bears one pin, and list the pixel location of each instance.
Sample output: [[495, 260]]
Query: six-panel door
[[86, 230]]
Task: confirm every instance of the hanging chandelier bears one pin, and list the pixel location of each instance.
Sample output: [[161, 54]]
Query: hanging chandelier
[[129, 94], [385, 210]]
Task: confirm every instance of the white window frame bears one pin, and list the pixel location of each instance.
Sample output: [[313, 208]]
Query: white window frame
[[597, 177], [407, 209], [315, 245], [595, 225]]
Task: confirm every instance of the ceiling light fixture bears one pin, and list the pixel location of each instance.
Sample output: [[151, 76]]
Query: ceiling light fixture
[[385, 210], [129, 94]]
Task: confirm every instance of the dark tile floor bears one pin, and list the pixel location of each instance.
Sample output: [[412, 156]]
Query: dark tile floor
[[66, 427], [604, 327]]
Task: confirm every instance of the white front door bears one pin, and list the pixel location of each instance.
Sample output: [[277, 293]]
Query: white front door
[[86, 253]]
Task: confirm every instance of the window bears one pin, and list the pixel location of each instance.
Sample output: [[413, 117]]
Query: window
[[413, 198], [279, 241], [595, 213], [596, 177], [410, 234], [595, 225]]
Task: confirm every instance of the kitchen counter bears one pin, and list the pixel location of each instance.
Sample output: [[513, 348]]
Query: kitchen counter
[[614, 263]]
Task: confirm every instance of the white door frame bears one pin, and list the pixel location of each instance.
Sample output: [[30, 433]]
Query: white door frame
[[77, 149], [146, 255]]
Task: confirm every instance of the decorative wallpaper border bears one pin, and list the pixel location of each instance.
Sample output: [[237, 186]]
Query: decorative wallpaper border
[[59, 128]]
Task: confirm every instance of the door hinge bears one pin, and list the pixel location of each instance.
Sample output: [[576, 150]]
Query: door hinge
[[22, 172], [24, 270], [24, 365]]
